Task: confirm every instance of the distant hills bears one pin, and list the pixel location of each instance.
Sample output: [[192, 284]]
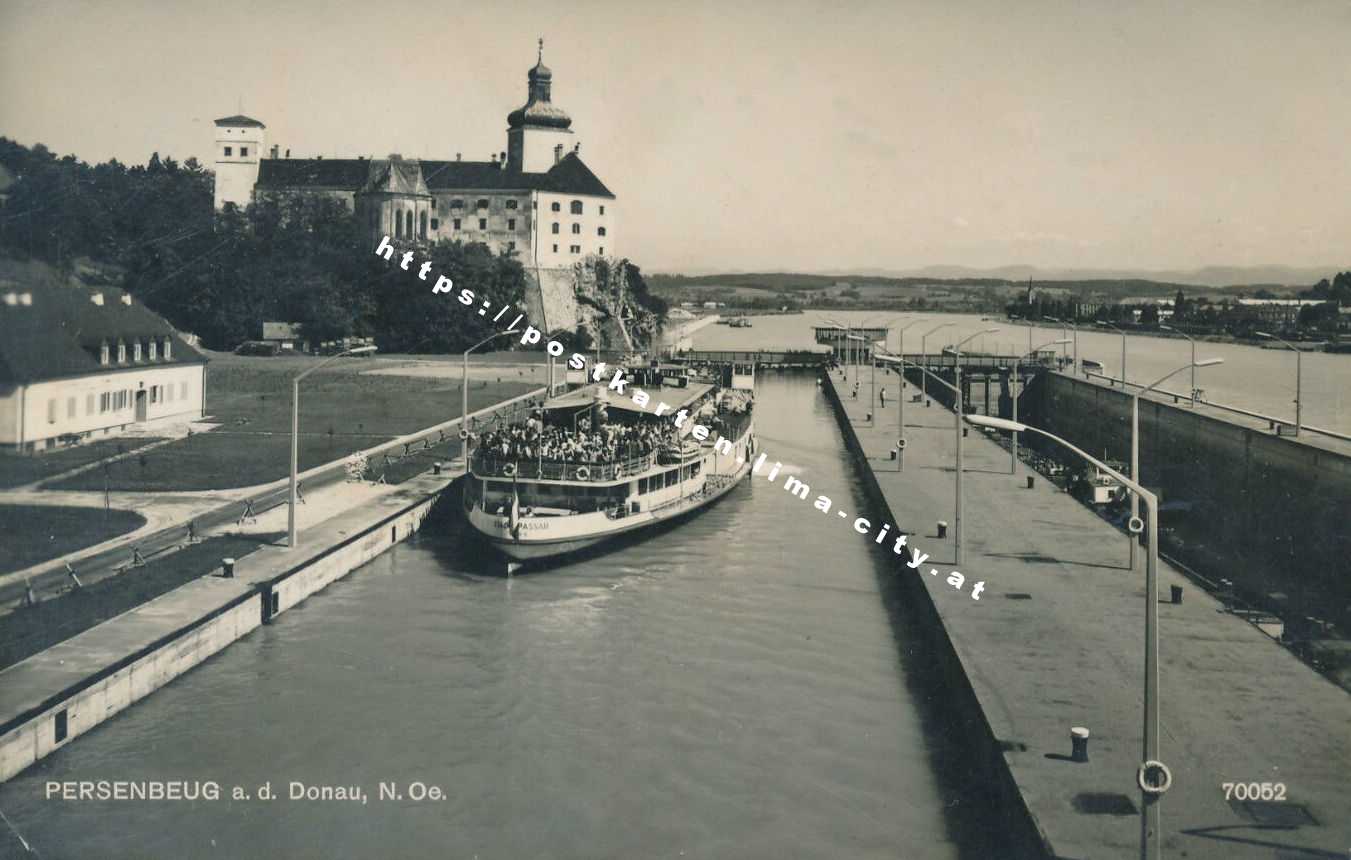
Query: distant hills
[[1211, 277]]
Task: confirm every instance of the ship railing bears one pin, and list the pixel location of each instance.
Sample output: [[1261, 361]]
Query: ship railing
[[487, 465]]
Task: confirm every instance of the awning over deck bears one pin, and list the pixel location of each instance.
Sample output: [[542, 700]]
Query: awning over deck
[[676, 397]]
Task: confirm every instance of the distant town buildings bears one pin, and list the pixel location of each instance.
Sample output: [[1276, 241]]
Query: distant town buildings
[[537, 197], [77, 362]]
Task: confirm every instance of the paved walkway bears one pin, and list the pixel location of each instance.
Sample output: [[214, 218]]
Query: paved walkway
[[1057, 641]]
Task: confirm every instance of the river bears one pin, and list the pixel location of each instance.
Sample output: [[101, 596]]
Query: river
[[731, 687], [1251, 378]]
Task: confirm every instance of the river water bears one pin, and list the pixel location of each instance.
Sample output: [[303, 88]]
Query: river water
[[1251, 378], [732, 687]]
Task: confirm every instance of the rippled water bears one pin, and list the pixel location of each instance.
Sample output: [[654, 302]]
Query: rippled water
[[732, 687]]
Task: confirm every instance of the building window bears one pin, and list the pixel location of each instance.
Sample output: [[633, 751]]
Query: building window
[[455, 224], [602, 210], [482, 203], [183, 390], [601, 252], [121, 353], [576, 249], [103, 354], [555, 228], [576, 229], [511, 223], [511, 246], [600, 231], [154, 349], [436, 224], [511, 204], [422, 225], [483, 223], [555, 207], [89, 404], [154, 394], [167, 344], [229, 151], [576, 207], [457, 204], [408, 224], [555, 249], [136, 351], [433, 204], [243, 152], [51, 411], [103, 402], [398, 226]]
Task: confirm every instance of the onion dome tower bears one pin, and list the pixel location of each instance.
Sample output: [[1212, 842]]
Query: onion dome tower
[[537, 129]]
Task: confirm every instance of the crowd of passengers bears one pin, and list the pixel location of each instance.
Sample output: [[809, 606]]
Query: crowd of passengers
[[607, 443]]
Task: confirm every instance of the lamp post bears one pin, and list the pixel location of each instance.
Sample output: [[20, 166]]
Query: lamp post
[[924, 355], [464, 395], [901, 374], [291, 532], [1123, 351], [1151, 839], [846, 345], [1065, 325], [1135, 434], [957, 403], [1299, 375], [1193, 343], [1013, 449]]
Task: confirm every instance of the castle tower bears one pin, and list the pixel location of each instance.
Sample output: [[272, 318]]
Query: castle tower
[[537, 130], [239, 146]]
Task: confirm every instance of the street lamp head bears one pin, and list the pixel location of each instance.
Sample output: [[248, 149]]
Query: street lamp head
[[1208, 362], [1264, 334], [512, 331], [996, 423], [1163, 327], [361, 350]]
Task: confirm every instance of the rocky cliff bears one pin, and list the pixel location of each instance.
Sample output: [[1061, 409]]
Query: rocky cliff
[[598, 294]]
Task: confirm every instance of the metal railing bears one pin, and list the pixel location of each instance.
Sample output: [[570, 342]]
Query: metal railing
[[486, 464]]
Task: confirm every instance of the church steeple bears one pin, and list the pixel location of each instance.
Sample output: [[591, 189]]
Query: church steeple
[[535, 129]]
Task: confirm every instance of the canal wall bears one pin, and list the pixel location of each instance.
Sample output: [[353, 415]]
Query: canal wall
[[54, 697], [1267, 512], [908, 601]]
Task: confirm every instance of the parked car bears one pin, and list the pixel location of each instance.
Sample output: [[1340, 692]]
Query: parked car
[[257, 347]]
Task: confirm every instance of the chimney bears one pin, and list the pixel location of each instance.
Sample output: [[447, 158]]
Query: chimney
[[26, 299], [288, 152], [275, 150], [494, 158], [97, 298], [457, 156], [577, 148], [126, 299], [503, 159], [558, 153]]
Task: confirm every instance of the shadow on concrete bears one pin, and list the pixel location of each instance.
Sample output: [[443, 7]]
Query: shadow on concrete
[[1288, 849], [1037, 558]]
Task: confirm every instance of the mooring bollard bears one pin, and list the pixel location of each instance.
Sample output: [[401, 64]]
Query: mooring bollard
[[928, 403], [227, 568], [1079, 742], [1031, 482], [436, 468], [1177, 593], [893, 453], [942, 529], [965, 431], [868, 416]]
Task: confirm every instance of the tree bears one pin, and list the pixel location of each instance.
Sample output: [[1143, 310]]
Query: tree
[[1149, 315], [1180, 307]]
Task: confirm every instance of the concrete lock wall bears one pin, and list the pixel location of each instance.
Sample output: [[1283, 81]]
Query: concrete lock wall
[[1273, 510], [91, 703]]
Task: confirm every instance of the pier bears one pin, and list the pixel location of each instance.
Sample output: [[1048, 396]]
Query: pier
[[1056, 643]]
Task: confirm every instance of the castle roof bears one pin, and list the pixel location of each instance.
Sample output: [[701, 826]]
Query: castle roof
[[59, 332], [569, 176], [240, 119]]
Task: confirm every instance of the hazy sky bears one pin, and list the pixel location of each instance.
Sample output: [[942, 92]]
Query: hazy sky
[[780, 135]]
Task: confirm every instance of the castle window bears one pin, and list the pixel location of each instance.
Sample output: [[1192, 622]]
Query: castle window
[[455, 224], [554, 208], [555, 227], [555, 249], [154, 349], [576, 207], [601, 252], [600, 231], [51, 411], [408, 223], [422, 225], [511, 204], [229, 150], [167, 344], [602, 210], [511, 223], [576, 229], [436, 224], [243, 152], [433, 204], [103, 354], [136, 351], [121, 353], [457, 204], [398, 226], [576, 249], [482, 203], [483, 223]]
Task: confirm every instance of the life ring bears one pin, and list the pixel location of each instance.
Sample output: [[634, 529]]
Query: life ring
[[1157, 769], [583, 473], [509, 469], [464, 434]]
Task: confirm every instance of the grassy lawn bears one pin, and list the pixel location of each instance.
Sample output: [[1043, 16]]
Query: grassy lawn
[[34, 533], [341, 410], [30, 629], [19, 469]]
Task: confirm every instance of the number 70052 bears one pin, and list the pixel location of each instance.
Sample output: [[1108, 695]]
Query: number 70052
[[1253, 790]]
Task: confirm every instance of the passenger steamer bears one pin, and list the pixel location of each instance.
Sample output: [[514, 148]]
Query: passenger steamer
[[536, 509]]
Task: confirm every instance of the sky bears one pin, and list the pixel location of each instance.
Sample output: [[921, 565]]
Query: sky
[[770, 135]]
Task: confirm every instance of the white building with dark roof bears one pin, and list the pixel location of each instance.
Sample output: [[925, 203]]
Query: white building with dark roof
[[77, 362], [537, 197]]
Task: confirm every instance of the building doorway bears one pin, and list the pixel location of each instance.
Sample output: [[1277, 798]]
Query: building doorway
[[141, 402]]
